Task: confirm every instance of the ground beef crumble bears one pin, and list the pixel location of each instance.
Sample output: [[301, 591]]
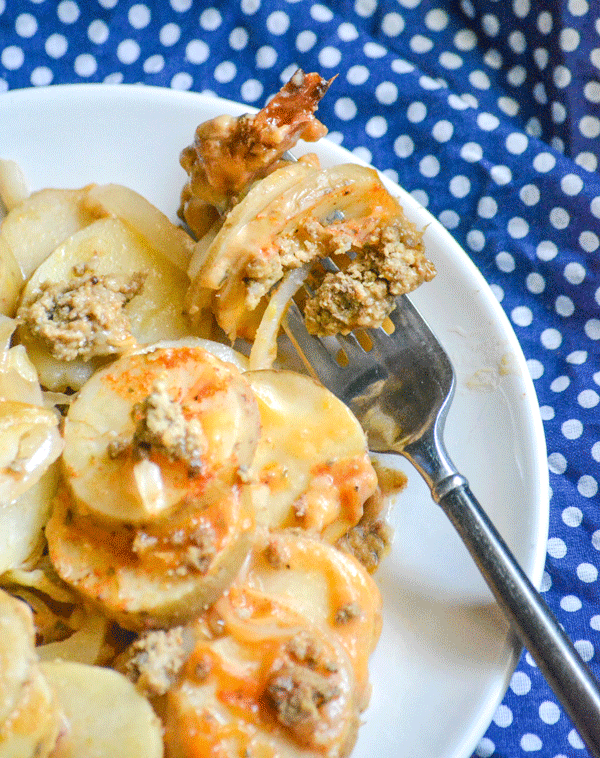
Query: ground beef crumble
[[154, 660], [82, 318]]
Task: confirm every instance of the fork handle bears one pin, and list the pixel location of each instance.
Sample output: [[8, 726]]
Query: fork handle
[[538, 629]]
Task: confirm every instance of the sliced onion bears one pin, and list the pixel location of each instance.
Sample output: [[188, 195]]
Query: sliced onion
[[149, 483], [13, 185]]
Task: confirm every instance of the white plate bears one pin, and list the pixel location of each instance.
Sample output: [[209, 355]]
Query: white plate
[[445, 657]]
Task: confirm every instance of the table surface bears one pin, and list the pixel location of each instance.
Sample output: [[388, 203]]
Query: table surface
[[488, 113]]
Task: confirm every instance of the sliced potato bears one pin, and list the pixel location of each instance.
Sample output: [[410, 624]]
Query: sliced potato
[[13, 184], [110, 247], [132, 208], [11, 279], [22, 521], [269, 683], [29, 715], [41, 222], [311, 467], [105, 717], [29, 442]]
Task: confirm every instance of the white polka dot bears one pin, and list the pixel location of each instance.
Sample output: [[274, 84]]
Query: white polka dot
[[278, 23], [139, 16], [546, 250], [420, 44], [251, 90], [365, 8], [41, 76], [128, 51], [493, 59], [490, 24], [401, 66], [535, 368], [501, 174], [479, 79], [458, 102], [225, 72], [98, 32], [534, 127], [522, 315], [357, 75], [12, 57], [465, 40], [549, 712], [592, 328], [585, 647], [535, 283], [544, 162], [329, 57], [416, 112], [556, 548], [181, 6], [68, 11], [559, 218], [503, 716], [557, 463], [154, 64], [450, 61], [115, 78], [564, 306], [572, 516], [540, 94], [373, 50], [305, 41], [476, 240], [560, 384], [516, 75], [403, 146], [517, 227], [487, 121], [568, 39], [386, 93], [442, 131], [485, 748], [530, 743], [595, 623], [471, 152], [85, 65], [26, 25], [530, 194], [508, 105], [577, 357], [505, 262], [266, 57], [574, 273], [169, 34], [572, 429], [182, 81], [376, 127], [589, 241], [238, 38], [575, 740], [497, 291], [592, 92], [544, 22], [561, 76], [460, 186], [392, 24], [570, 603], [588, 398], [345, 108], [540, 56], [547, 412], [587, 486], [578, 7], [521, 8], [347, 32], [587, 160], [516, 143], [429, 166], [551, 339], [587, 573], [571, 184], [517, 42], [589, 126], [421, 197], [520, 683], [487, 207], [250, 7], [449, 218], [436, 19]]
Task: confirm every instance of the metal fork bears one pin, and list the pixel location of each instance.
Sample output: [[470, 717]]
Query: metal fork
[[400, 389]]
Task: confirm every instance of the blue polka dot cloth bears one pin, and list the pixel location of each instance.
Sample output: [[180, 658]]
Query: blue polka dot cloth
[[488, 112]]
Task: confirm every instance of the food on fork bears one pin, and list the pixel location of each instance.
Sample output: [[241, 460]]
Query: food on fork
[[201, 520]]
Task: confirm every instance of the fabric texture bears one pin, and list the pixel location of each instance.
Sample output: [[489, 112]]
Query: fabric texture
[[488, 112]]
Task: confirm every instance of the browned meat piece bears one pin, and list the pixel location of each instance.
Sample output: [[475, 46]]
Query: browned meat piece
[[83, 317], [230, 153]]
